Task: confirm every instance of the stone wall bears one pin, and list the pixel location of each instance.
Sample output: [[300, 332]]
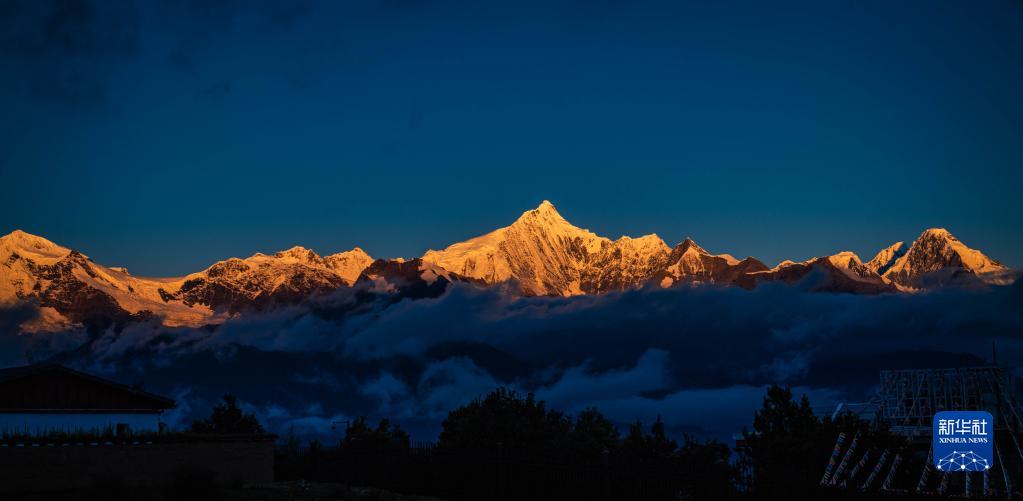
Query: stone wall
[[228, 460]]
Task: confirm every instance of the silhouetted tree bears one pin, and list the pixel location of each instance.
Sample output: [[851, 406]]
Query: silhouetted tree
[[592, 434], [510, 445], [522, 425], [785, 445], [228, 418], [790, 447], [648, 446], [361, 437], [781, 416], [708, 465]]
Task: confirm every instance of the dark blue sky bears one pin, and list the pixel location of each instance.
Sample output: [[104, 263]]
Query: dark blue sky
[[166, 135]]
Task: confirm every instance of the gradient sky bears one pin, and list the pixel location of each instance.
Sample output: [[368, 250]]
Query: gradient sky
[[166, 135]]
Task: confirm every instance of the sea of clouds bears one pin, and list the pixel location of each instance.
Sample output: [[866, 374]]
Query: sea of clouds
[[699, 357]]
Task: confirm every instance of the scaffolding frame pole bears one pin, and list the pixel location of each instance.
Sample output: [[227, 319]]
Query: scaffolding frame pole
[[845, 459], [926, 472], [834, 459], [877, 469], [887, 485]]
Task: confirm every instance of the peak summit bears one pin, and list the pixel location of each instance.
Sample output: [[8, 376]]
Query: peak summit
[[297, 249], [299, 253], [544, 215], [937, 233], [689, 243], [545, 209], [32, 246], [845, 259], [25, 237], [542, 250], [935, 252]]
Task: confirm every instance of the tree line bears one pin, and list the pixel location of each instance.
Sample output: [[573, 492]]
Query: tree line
[[508, 445]]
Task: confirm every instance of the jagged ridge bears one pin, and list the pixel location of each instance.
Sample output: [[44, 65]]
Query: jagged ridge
[[540, 253]]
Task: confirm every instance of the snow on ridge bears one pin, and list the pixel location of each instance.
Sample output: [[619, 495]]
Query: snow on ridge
[[936, 249], [886, 257], [31, 246], [540, 251]]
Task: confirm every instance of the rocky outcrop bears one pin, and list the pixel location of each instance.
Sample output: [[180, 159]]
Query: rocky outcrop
[[539, 254]]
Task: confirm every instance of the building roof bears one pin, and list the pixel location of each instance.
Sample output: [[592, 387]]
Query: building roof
[[53, 387]]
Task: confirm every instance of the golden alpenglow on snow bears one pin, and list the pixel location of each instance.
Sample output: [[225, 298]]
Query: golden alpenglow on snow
[[539, 254]]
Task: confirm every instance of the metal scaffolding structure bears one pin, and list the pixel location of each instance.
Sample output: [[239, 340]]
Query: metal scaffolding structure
[[905, 404], [908, 399]]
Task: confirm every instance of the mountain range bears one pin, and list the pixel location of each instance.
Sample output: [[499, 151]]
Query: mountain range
[[540, 254]]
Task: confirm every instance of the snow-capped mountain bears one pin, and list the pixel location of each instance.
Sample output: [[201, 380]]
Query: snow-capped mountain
[[546, 255], [937, 258], [540, 254], [541, 251], [623, 263], [412, 278], [690, 263], [288, 276], [72, 289], [886, 258], [842, 272]]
